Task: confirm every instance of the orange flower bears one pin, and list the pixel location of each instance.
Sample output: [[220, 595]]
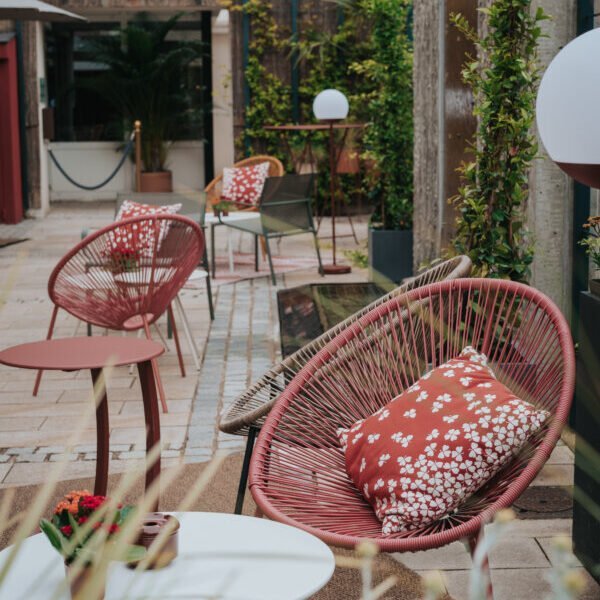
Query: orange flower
[[71, 502]]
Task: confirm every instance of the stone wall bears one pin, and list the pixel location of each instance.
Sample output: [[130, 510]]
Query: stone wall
[[550, 206]]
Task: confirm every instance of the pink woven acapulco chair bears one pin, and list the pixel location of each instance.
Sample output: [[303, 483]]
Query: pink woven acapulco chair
[[125, 276], [297, 474]]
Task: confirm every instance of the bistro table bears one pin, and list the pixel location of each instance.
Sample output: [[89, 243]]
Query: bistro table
[[95, 353], [221, 556]]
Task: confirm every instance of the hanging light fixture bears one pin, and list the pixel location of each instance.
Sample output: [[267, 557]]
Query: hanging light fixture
[[567, 109]]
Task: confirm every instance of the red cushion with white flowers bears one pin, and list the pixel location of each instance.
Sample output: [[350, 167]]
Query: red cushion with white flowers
[[244, 185], [416, 459], [138, 239]]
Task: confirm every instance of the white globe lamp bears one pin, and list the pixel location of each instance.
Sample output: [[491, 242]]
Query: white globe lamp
[[331, 105], [567, 109]]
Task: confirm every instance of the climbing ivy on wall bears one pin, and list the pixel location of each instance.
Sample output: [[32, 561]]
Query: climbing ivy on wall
[[389, 138], [269, 95], [492, 200], [368, 56]]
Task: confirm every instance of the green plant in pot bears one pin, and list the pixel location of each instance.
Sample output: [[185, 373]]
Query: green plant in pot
[[145, 80], [83, 529], [591, 243], [389, 139]]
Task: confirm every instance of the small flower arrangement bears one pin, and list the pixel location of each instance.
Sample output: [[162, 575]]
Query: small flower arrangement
[[123, 256], [591, 241], [81, 525]]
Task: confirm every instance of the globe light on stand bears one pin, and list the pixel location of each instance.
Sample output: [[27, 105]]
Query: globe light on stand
[[567, 109], [332, 106]]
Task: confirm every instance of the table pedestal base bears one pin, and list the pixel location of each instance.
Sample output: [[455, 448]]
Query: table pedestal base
[[336, 269]]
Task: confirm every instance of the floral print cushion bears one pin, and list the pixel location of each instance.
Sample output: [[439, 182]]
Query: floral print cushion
[[416, 459], [137, 240], [244, 185]]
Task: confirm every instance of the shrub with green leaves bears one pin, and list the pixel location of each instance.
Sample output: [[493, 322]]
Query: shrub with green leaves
[[492, 200], [389, 138]]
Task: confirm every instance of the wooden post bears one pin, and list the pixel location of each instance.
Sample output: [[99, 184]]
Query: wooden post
[[138, 156]]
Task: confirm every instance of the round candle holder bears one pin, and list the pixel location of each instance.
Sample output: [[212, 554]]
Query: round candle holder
[[152, 526]]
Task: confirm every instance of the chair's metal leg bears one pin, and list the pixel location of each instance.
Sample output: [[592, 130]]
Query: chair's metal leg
[[211, 308], [176, 338], [188, 332], [230, 249], [89, 330], [256, 253], [162, 337], [318, 253], [132, 366], [270, 260], [239, 503], [212, 250], [159, 385], [38, 377], [169, 327]]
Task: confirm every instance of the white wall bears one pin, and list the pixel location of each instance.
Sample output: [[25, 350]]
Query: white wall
[[222, 93], [90, 163]]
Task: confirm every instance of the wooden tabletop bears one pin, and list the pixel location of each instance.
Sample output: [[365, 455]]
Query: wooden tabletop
[[73, 354]]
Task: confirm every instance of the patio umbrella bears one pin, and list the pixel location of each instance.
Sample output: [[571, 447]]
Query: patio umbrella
[[35, 10]]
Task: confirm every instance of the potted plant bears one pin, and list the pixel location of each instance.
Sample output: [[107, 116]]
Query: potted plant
[[591, 242], [389, 140], [81, 530], [144, 81]]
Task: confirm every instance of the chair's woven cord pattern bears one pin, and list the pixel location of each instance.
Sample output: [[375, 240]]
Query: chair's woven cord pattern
[[252, 407], [297, 473]]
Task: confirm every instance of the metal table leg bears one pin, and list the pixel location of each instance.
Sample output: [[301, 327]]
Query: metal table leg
[[151, 416], [102, 432]]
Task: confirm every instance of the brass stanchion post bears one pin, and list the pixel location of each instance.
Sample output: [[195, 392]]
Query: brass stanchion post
[[138, 156]]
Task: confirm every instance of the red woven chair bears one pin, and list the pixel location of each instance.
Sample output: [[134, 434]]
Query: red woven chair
[[102, 282], [297, 474]]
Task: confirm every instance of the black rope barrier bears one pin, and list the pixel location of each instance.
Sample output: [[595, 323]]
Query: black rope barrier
[[103, 183]]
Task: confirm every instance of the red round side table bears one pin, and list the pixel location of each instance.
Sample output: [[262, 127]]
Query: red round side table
[[95, 353]]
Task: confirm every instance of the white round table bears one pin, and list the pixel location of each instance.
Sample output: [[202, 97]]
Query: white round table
[[221, 556]]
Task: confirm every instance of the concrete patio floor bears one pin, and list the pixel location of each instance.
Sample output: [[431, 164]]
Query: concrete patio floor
[[241, 343]]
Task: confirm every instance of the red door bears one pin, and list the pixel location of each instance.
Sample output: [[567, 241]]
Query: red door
[[11, 193]]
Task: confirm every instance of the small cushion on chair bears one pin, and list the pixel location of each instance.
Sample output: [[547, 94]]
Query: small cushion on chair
[[244, 185], [138, 239], [417, 458]]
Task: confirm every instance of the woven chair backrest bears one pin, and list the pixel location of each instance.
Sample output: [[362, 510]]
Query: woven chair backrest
[[528, 344], [252, 406], [214, 188], [128, 270]]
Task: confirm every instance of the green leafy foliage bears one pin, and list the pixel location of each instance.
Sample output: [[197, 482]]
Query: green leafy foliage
[[492, 200], [389, 138], [269, 101], [591, 242], [368, 57]]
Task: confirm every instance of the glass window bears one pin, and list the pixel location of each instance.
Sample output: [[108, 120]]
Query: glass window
[[83, 114]]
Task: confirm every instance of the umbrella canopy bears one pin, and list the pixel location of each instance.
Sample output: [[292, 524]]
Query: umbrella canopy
[[34, 10]]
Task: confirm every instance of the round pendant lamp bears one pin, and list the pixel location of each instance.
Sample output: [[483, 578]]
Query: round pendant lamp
[[330, 105], [567, 109]]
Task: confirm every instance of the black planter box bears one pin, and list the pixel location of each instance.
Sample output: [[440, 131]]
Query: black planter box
[[390, 254], [586, 527]]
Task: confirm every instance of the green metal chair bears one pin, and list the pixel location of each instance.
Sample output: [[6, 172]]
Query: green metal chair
[[285, 209]]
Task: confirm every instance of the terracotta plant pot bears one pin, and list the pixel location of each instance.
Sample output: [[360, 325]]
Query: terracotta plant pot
[[153, 183], [81, 588]]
